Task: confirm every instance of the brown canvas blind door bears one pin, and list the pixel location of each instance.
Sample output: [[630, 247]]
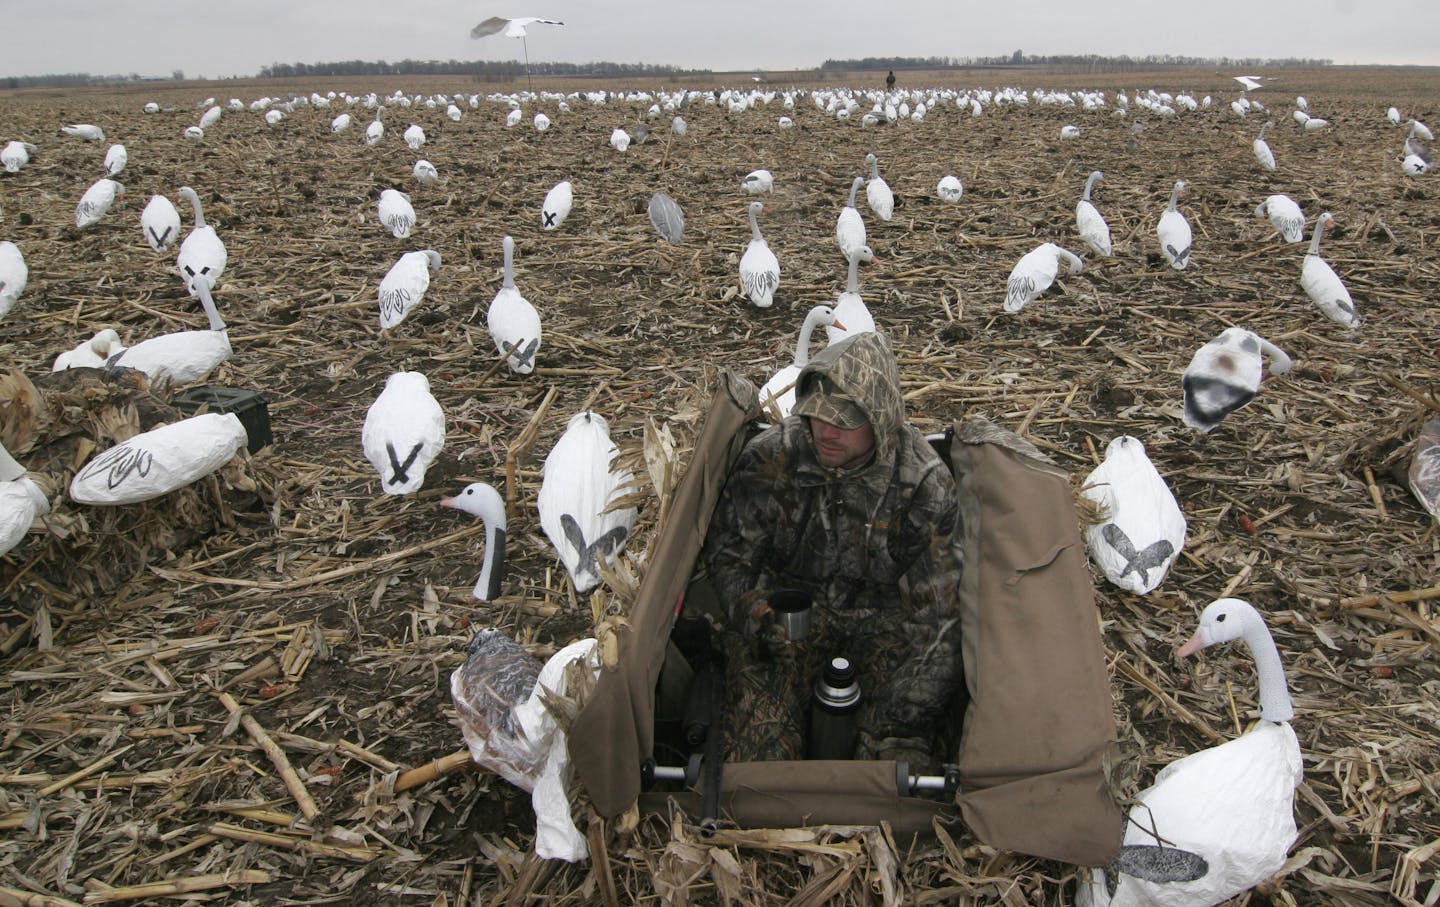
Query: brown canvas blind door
[[1039, 727]]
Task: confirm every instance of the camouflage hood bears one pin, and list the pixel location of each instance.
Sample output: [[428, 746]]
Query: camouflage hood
[[862, 367]]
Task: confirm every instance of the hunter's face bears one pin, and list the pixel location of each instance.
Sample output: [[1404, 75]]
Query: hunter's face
[[842, 448]]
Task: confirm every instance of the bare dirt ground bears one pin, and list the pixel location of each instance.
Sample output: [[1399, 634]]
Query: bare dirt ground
[[333, 614]]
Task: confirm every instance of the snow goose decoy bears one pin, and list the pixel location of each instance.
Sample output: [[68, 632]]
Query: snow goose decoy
[[425, 172], [949, 189], [14, 275], [414, 136], [396, 213], [21, 501], [757, 182], [96, 201], [16, 154], [202, 255], [577, 497], [541, 122], [404, 432], [777, 397], [1173, 231], [1089, 221], [1263, 155], [183, 356], [877, 191], [115, 159], [852, 316], [210, 117], [1285, 216], [481, 500], [376, 130], [1069, 132], [1225, 374], [1143, 528], [1035, 272], [512, 320], [556, 206], [173, 455], [1424, 475], [1231, 805], [619, 138], [849, 227], [1322, 284], [340, 123], [405, 284], [160, 222], [93, 353], [759, 268], [87, 131]]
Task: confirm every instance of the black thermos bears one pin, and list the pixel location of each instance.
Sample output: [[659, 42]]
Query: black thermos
[[834, 712]]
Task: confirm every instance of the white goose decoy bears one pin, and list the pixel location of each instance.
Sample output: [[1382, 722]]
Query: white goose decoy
[[1089, 221], [96, 201], [1143, 528], [404, 432], [414, 136], [173, 455], [21, 501], [481, 500], [210, 117], [1285, 216], [160, 223], [115, 160], [1263, 155], [405, 284], [376, 130], [512, 320], [849, 227], [619, 139], [1419, 130], [1035, 272], [87, 131], [194, 133], [852, 316], [1069, 132], [1231, 805], [513, 118], [202, 255], [577, 495], [16, 154], [425, 172], [1225, 374], [777, 397], [759, 268], [541, 122], [1393, 115], [949, 189], [556, 206], [183, 356], [1424, 474], [340, 123], [396, 213], [14, 275], [1173, 231], [93, 353], [877, 191], [757, 182], [1322, 284]]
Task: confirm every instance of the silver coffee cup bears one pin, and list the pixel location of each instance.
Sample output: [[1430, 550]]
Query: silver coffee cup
[[792, 607]]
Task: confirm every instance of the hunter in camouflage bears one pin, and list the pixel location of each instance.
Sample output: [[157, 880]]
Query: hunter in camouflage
[[869, 540]]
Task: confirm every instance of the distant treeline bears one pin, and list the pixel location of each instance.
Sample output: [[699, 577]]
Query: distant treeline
[[484, 70], [1092, 62], [509, 70]]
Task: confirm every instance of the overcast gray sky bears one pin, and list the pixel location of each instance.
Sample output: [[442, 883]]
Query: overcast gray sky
[[156, 37]]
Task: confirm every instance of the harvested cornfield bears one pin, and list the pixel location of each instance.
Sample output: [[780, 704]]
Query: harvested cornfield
[[244, 712]]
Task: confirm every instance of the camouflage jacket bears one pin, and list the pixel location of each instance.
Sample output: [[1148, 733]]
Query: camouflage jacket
[[872, 545]]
